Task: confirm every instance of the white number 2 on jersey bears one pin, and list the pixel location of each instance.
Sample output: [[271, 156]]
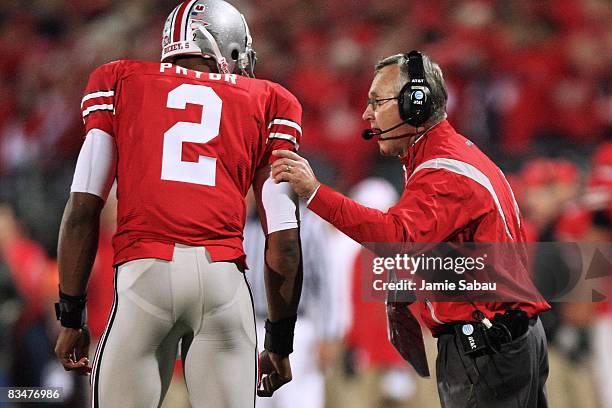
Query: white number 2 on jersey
[[173, 167]]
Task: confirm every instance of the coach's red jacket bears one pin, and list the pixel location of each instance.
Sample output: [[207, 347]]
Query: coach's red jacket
[[453, 193]]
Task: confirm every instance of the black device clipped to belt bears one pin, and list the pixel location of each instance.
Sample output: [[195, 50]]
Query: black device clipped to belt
[[487, 336]]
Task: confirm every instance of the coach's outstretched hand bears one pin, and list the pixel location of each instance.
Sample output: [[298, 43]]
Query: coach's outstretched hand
[[72, 349], [274, 372], [296, 170]]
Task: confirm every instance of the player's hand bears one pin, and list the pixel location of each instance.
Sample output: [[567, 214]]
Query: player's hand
[[72, 349], [296, 170], [274, 372]]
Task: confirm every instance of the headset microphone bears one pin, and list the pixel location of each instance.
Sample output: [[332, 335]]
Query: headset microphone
[[368, 134]]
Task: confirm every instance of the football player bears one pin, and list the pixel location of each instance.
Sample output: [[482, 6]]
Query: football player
[[184, 138]]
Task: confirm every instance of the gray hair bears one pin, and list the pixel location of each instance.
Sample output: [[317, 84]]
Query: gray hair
[[433, 76]]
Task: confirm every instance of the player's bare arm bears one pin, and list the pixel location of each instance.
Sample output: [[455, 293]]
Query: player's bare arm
[[283, 278], [283, 275], [277, 207], [78, 243]]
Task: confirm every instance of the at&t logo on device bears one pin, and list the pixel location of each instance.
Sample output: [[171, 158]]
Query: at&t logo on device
[[467, 329]]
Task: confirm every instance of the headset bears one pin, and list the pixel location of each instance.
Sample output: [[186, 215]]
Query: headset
[[414, 99]]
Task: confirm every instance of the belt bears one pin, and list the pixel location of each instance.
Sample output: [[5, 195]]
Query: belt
[[449, 328]]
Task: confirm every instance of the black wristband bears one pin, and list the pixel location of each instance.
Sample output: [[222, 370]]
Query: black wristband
[[71, 311], [279, 336]]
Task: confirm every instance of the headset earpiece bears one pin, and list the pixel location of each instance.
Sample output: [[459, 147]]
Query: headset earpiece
[[414, 99]]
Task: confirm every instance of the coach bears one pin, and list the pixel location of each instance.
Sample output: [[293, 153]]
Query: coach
[[453, 193]]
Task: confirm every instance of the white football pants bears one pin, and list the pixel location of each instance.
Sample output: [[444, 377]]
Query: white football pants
[[158, 303]]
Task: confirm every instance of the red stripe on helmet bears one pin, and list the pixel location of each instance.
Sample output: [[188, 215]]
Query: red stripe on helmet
[[176, 35]]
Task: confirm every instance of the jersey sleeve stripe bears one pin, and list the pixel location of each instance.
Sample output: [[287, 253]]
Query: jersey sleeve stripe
[[97, 94], [94, 108], [286, 122], [284, 136]]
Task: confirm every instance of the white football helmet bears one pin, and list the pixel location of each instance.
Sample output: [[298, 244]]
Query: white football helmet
[[213, 29]]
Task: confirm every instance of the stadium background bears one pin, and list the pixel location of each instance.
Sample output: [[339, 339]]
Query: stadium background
[[529, 82]]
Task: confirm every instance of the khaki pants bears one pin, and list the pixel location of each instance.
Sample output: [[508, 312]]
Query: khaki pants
[[206, 306]]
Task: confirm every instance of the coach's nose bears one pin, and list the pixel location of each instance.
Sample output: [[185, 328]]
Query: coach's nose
[[368, 114]]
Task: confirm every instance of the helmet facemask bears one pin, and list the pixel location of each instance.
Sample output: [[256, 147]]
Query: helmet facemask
[[248, 58]]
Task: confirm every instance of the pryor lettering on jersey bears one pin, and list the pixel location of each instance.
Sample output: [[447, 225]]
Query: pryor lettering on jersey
[[213, 76]]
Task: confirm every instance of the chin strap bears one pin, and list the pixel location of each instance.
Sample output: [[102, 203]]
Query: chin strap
[[221, 61]]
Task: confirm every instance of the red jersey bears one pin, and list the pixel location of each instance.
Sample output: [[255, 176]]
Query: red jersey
[[188, 146], [453, 193]]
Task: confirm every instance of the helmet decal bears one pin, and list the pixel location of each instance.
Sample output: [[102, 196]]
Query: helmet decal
[[180, 21]]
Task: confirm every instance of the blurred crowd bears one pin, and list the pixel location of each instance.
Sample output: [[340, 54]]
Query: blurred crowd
[[529, 82]]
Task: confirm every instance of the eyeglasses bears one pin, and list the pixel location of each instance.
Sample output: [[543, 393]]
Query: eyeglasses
[[376, 103]]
